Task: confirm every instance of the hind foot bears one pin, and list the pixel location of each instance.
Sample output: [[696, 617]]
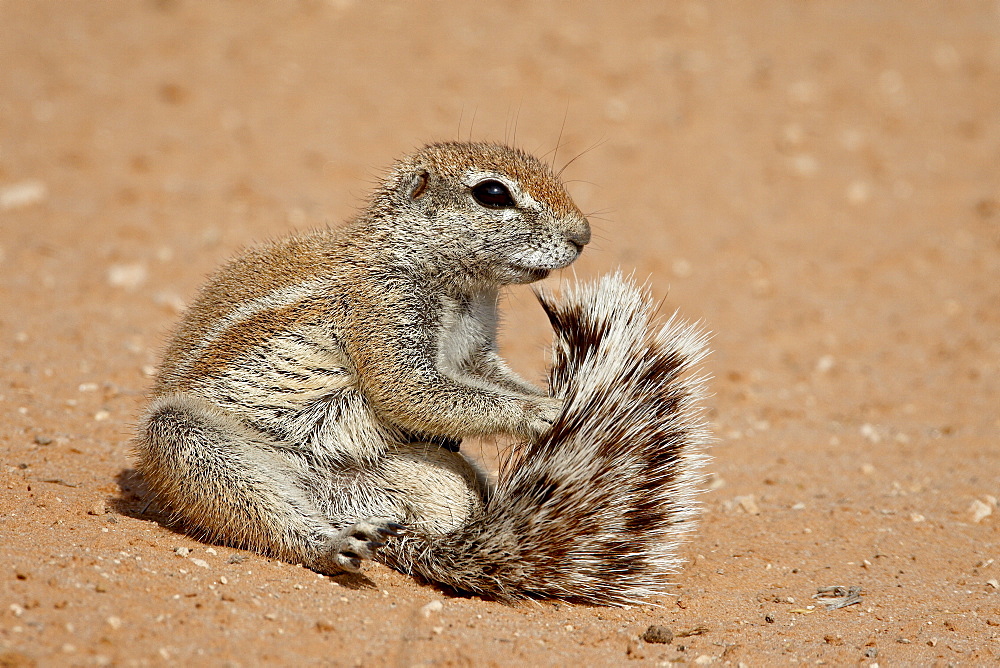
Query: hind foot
[[360, 541]]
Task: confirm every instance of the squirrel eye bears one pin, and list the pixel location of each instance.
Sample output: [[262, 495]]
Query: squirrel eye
[[493, 194]]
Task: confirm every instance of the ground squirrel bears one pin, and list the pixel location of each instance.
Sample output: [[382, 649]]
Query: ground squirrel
[[311, 404]]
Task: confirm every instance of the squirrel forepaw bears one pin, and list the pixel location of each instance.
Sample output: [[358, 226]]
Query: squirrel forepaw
[[358, 542], [543, 412]]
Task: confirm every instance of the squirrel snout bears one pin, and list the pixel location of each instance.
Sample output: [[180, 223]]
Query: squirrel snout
[[579, 236]]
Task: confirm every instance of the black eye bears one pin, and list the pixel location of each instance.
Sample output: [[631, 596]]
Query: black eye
[[492, 194]]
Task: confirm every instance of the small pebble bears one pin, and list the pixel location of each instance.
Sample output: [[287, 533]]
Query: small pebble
[[433, 606], [128, 276], [182, 551], [980, 511], [870, 433], [199, 562], [22, 194], [658, 634], [825, 363], [748, 504]]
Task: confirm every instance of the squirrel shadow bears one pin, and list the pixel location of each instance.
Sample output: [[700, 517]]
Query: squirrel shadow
[[134, 500]]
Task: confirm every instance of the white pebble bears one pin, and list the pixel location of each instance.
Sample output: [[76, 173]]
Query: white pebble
[[22, 194], [433, 606], [980, 510], [199, 562], [870, 433], [825, 363], [128, 276]]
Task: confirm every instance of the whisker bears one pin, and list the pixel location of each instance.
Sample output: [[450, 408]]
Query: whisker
[[562, 128], [587, 150]]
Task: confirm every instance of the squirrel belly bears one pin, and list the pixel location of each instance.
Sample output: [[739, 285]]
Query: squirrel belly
[[311, 403], [594, 509]]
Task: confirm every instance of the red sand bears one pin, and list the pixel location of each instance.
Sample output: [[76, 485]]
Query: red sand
[[819, 182]]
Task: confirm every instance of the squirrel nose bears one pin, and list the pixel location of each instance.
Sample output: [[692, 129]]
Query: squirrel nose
[[581, 235]]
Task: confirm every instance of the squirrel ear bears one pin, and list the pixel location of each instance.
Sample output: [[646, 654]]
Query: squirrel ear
[[418, 185]]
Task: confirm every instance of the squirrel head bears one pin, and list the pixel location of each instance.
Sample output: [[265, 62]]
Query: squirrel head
[[495, 212]]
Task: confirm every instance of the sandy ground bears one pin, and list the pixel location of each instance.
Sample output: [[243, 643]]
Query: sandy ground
[[819, 182]]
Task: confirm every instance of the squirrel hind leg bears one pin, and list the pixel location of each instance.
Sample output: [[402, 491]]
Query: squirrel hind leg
[[437, 490], [227, 482]]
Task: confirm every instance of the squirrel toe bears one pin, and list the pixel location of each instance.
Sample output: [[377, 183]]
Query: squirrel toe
[[360, 541]]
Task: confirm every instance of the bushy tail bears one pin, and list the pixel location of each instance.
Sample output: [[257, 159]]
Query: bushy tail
[[593, 511]]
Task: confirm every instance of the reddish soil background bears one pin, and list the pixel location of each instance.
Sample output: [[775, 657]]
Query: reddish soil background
[[819, 182]]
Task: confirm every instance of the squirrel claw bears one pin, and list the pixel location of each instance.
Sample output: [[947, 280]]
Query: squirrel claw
[[359, 542], [392, 529]]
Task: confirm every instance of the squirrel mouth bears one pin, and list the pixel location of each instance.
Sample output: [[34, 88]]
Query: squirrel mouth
[[529, 274], [537, 274]]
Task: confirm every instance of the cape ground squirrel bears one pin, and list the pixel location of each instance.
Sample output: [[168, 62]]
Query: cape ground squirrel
[[311, 403]]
